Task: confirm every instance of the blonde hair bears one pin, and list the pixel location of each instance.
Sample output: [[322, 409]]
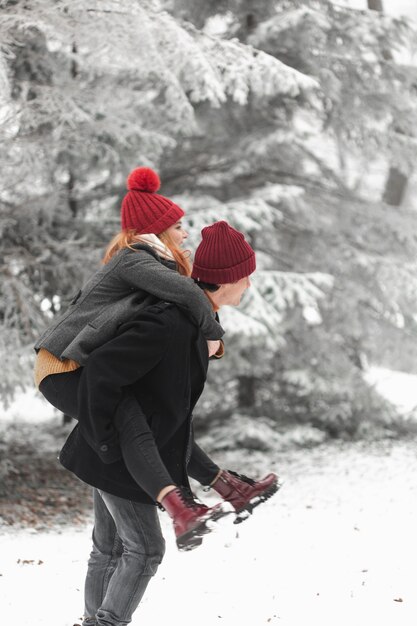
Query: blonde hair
[[126, 239]]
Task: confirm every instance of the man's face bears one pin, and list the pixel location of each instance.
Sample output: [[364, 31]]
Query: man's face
[[231, 293]]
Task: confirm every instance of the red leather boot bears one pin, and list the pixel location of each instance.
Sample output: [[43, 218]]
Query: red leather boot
[[245, 493], [190, 518]]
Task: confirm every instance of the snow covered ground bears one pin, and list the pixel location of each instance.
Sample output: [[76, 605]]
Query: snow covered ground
[[399, 388], [337, 545]]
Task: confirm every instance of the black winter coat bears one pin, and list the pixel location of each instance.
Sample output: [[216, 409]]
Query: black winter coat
[[163, 356]]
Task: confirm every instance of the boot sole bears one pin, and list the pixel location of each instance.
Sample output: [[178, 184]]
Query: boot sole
[[194, 537], [247, 510]]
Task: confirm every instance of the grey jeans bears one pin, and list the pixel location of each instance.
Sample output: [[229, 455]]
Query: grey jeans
[[128, 546]]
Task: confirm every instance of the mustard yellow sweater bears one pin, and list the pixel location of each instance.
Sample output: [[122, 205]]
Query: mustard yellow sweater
[[46, 364]]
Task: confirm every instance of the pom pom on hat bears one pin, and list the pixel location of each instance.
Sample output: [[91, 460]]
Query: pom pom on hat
[[143, 179], [144, 210]]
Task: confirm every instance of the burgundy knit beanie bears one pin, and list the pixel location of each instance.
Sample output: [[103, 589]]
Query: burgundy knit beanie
[[223, 256], [143, 209]]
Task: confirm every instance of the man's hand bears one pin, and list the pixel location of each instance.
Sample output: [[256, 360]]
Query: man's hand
[[213, 346]]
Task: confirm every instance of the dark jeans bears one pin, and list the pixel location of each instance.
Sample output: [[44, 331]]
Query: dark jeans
[[139, 451], [128, 546]]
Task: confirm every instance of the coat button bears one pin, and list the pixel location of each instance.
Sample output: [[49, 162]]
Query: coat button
[[104, 447]]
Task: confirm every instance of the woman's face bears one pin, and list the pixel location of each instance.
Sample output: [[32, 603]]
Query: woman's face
[[177, 233]]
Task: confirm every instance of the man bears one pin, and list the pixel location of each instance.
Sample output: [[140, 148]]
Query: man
[[160, 359]]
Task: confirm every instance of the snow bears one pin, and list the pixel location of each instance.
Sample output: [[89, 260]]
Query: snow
[[399, 388], [396, 8], [29, 406], [312, 316], [335, 545]]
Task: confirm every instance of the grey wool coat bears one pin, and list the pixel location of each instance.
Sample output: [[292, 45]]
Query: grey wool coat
[[129, 282]]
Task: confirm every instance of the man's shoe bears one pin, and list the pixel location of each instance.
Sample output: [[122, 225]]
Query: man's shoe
[[192, 520], [244, 493]]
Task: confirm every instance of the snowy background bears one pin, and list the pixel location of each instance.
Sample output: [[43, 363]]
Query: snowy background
[[295, 121], [393, 7]]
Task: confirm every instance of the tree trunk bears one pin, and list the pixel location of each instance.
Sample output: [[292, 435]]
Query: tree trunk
[[74, 64], [396, 184], [250, 22], [72, 203], [247, 392], [376, 5], [395, 187]]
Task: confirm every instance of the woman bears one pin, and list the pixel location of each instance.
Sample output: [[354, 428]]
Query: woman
[[132, 277], [137, 271]]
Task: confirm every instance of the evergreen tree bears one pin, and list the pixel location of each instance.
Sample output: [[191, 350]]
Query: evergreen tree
[[397, 181], [90, 91], [264, 114], [360, 60], [328, 231]]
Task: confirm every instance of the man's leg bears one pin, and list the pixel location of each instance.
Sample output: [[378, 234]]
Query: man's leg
[[122, 582], [107, 548]]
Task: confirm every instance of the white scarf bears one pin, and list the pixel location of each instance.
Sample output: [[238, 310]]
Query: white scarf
[[154, 242]]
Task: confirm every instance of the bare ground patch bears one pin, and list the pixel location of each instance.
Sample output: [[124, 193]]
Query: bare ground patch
[[35, 490]]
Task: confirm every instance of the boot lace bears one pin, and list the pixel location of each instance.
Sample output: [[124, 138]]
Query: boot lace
[[242, 477], [189, 499]]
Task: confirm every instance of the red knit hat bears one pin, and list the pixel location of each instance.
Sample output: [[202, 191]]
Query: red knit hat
[[223, 256], [143, 209]]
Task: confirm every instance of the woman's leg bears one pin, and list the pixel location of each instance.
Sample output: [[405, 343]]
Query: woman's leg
[[201, 467], [140, 452], [61, 390], [137, 443]]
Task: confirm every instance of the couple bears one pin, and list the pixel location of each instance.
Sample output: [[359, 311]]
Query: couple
[[128, 360]]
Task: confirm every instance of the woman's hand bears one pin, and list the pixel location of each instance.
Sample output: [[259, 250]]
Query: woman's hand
[[213, 346]]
